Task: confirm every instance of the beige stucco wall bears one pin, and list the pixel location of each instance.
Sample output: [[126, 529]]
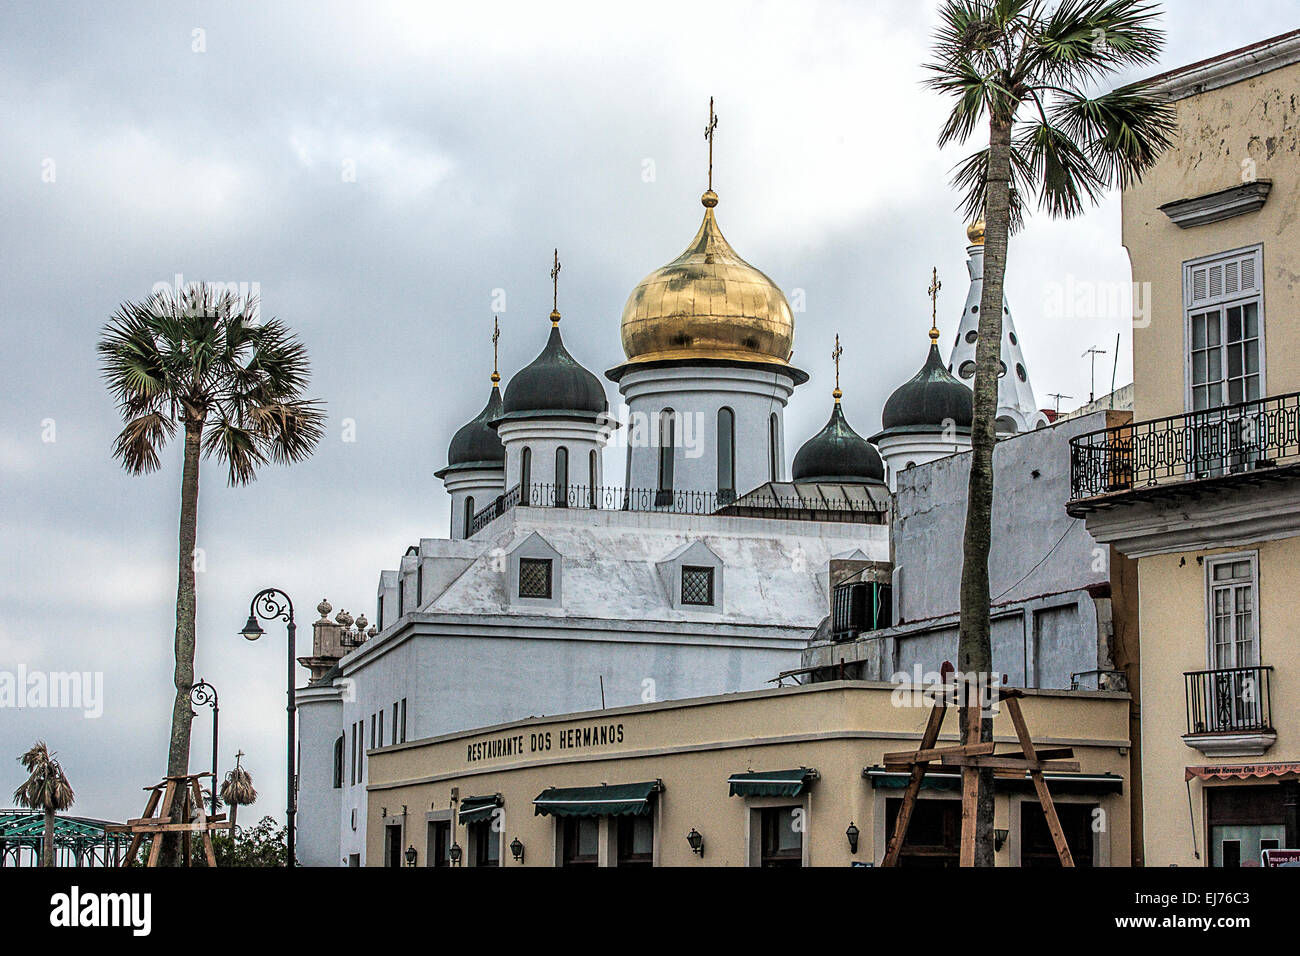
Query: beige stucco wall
[[1257, 119], [693, 746], [1175, 641]]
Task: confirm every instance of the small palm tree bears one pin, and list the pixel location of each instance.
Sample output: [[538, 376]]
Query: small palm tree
[[47, 790], [1023, 67], [200, 360], [237, 790]]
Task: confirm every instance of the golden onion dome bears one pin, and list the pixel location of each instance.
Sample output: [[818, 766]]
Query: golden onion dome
[[708, 303], [975, 233]]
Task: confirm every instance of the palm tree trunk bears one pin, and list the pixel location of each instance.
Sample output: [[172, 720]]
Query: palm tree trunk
[[974, 649], [178, 754], [47, 840]]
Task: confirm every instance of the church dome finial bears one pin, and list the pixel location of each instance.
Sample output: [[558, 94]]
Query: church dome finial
[[975, 233], [708, 303]]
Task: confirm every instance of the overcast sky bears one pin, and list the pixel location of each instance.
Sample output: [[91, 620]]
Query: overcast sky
[[214, 141]]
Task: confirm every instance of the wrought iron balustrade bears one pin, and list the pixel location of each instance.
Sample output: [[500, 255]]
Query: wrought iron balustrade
[[680, 502], [1234, 700], [1227, 440]]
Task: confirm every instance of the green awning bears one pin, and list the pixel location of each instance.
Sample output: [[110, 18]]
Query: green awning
[[950, 779], [771, 783], [623, 799], [478, 809]]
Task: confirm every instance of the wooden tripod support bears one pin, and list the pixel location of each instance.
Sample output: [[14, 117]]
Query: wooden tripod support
[[193, 820], [973, 756]]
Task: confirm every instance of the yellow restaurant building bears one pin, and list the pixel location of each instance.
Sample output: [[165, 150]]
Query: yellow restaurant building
[[1203, 489], [789, 776]]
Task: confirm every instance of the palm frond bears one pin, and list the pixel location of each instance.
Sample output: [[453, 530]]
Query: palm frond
[[137, 445], [238, 790], [970, 177], [288, 432], [1086, 39], [46, 787], [1060, 170], [1123, 132], [235, 447]]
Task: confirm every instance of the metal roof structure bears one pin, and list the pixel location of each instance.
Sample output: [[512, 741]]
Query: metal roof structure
[[78, 841]]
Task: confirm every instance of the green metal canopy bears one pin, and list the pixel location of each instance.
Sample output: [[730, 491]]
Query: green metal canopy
[[478, 809], [623, 799], [771, 783]]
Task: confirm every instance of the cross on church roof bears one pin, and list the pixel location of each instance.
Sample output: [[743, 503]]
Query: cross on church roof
[[708, 135], [835, 356], [496, 337], [555, 288], [933, 292]]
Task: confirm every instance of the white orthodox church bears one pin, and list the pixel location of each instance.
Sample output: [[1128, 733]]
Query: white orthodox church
[[705, 573]]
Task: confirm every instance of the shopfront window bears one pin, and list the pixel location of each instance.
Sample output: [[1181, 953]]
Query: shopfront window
[[782, 836], [485, 844], [1037, 849], [438, 852], [581, 841], [636, 841]]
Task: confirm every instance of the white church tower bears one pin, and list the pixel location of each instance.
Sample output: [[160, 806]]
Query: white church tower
[[708, 340], [554, 423], [1018, 411], [476, 460]]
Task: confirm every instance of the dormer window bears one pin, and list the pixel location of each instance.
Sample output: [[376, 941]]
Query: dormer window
[[697, 586], [535, 578]]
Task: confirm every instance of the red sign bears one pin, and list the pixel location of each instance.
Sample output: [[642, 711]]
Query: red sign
[[1242, 771], [1279, 857]]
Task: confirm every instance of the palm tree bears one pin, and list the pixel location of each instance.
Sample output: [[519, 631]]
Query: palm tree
[[1025, 67], [237, 790], [201, 360], [46, 790]]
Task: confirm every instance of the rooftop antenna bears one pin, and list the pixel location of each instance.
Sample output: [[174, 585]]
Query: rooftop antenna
[[1092, 381], [1113, 370], [1058, 396]]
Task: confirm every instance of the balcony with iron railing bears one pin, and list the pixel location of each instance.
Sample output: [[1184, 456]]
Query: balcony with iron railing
[[1229, 710], [809, 503], [1218, 444]]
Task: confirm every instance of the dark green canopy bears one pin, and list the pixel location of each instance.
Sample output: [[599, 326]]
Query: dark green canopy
[[624, 799], [478, 809], [771, 783]]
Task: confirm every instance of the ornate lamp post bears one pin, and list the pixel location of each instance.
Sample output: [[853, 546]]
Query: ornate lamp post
[[200, 694], [273, 604]]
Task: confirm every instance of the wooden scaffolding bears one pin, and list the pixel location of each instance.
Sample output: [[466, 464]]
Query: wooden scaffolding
[[157, 820]]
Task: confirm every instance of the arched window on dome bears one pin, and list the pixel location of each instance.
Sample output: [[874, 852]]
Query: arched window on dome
[[773, 436], [561, 477], [726, 454], [526, 476], [667, 443], [469, 517], [593, 479]]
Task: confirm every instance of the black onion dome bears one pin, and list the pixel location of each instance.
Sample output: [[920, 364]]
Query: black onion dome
[[931, 398], [477, 443], [838, 454], [554, 382]]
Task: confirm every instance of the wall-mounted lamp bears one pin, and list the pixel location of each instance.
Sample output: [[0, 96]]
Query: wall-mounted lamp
[[852, 833], [696, 840], [454, 854], [410, 856], [999, 838], [517, 850]]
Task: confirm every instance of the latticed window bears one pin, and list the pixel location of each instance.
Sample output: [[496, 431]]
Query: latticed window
[[697, 585], [534, 577]]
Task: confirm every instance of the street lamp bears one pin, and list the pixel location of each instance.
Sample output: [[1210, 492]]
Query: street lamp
[[454, 854], [410, 855], [696, 840], [273, 604], [200, 694], [853, 833], [517, 849]]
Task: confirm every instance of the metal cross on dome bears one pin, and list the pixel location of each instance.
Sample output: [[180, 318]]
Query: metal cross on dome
[[708, 135], [496, 337], [835, 355], [555, 283], [933, 292]]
